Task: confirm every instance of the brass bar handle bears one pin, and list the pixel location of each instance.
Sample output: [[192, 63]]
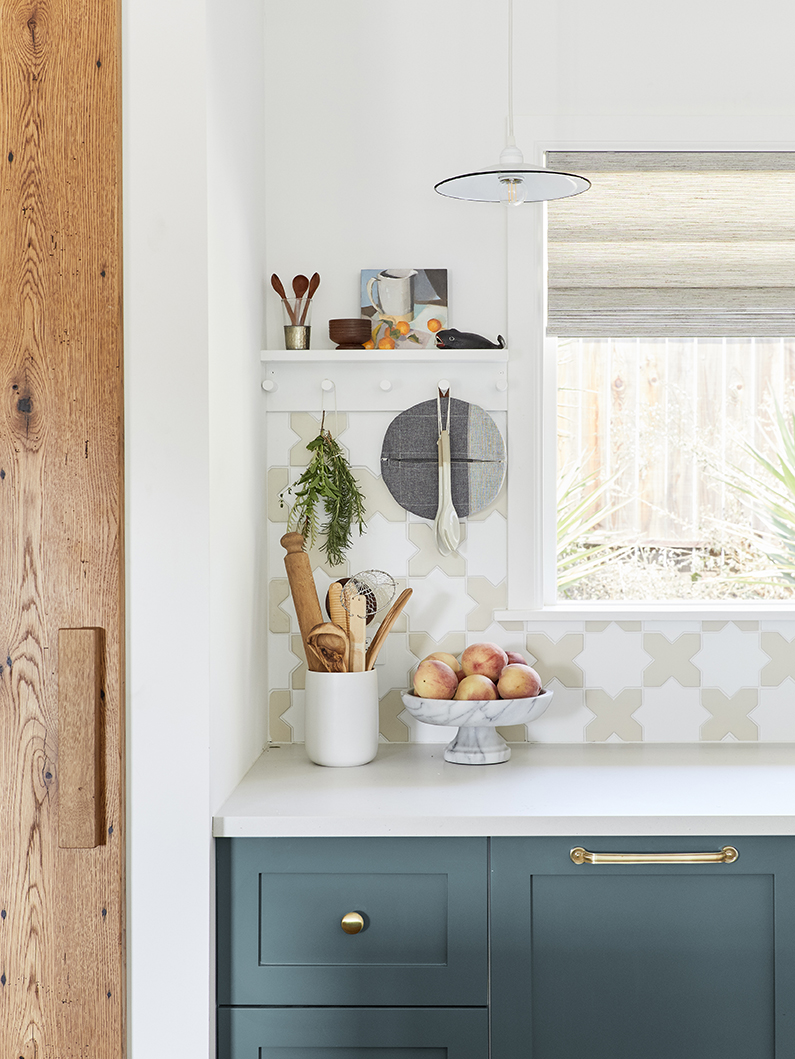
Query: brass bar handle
[[727, 855]]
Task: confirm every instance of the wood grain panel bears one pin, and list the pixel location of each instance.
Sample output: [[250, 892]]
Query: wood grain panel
[[61, 910], [80, 785]]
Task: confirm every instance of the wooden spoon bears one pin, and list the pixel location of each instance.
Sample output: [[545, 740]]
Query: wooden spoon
[[300, 287], [314, 283], [330, 644], [278, 286], [386, 626]]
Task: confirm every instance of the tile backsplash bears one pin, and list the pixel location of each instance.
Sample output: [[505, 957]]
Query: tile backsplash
[[614, 681]]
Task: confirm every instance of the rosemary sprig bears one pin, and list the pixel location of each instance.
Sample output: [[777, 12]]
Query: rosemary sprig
[[327, 481]]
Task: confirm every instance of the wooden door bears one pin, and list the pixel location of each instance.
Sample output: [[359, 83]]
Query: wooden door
[[62, 986]]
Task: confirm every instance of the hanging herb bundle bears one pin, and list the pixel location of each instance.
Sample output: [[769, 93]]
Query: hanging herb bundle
[[328, 481]]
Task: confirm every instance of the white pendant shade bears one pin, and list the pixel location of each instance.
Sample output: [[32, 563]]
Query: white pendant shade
[[488, 185]]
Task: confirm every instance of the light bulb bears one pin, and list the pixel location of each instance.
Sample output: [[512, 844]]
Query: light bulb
[[512, 190]]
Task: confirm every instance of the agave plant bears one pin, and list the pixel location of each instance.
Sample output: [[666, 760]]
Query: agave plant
[[579, 512], [773, 498]]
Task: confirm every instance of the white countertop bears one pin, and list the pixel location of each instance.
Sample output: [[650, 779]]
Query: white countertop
[[545, 789]]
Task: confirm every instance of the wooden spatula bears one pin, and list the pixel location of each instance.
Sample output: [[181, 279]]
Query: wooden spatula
[[357, 618], [386, 626]]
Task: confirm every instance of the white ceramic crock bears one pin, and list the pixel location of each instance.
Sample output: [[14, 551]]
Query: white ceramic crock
[[341, 718]]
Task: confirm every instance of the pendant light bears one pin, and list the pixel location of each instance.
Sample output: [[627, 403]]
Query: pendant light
[[512, 182]]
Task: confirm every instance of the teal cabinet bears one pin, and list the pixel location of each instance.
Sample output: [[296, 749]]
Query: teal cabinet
[[618, 961], [471, 948]]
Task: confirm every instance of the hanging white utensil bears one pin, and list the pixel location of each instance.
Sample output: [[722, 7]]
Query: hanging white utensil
[[446, 527]]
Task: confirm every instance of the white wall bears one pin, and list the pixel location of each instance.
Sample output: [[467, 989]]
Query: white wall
[[167, 447]]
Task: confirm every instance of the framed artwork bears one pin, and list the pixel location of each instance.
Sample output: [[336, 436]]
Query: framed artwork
[[406, 306]]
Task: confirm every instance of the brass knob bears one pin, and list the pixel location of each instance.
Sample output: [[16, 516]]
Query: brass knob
[[352, 923]]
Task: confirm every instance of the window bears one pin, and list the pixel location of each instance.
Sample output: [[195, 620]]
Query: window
[[675, 455]]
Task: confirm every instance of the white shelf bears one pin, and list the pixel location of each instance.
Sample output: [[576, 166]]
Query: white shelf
[[365, 380]]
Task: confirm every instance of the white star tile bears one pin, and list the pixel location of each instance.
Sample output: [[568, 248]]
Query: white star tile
[[279, 439], [294, 716], [786, 628], [671, 714], [281, 660], [486, 548], [613, 659], [364, 438], [565, 718], [495, 633], [775, 713], [395, 664], [440, 604], [383, 546], [730, 659]]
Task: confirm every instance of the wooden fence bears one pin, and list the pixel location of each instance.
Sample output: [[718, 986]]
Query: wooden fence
[[664, 417]]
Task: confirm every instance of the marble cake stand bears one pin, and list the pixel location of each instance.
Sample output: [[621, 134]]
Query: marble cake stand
[[477, 741]]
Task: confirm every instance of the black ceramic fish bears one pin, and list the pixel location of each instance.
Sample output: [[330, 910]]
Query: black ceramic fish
[[453, 339]]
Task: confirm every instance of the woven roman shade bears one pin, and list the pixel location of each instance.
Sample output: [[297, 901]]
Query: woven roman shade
[[673, 244]]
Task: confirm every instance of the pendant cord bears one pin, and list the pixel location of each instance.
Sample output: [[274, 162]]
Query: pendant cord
[[511, 139]]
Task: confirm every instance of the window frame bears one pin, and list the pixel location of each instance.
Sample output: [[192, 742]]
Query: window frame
[[532, 381]]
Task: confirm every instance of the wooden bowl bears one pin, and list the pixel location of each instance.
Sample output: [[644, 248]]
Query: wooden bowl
[[349, 334]]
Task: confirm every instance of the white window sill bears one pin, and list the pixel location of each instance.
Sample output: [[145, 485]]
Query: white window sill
[[664, 611]]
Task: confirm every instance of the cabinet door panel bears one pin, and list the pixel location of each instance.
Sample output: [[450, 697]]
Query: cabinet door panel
[[642, 960], [423, 902], [352, 1033]]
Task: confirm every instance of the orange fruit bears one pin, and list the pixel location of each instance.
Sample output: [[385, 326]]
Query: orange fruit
[[434, 325], [403, 327], [386, 343], [369, 344]]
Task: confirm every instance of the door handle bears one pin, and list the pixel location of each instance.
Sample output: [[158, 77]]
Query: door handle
[[727, 855]]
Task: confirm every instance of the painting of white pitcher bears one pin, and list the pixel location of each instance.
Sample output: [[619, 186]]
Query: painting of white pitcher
[[391, 293], [406, 306]]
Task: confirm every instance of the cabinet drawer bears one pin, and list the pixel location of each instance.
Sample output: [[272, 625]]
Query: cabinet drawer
[[352, 1033], [423, 903], [656, 960]]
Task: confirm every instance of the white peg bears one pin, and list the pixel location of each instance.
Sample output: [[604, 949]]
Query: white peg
[[269, 386], [502, 384], [444, 384], [327, 385], [386, 385]]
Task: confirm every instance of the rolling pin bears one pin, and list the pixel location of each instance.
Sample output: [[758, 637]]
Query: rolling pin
[[304, 593]]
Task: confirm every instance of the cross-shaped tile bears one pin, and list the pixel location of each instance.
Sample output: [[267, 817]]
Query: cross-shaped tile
[[377, 497], [489, 598], [782, 659], [307, 427], [389, 724], [278, 479], [671, 659], [729, 715], [278, 592], [279, 731], [557, 659], [422, 645], [613, 715]]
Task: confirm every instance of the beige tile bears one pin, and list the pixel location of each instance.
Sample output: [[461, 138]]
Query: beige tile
[[378, 498], [730, 715], [489, 598], [513, 733], [713, 626], [596, 626], [307, 427], [630, 626], [557, 659], [428, 557], [613, 715], [279, 731], [389, 724], [278, 592], [782, 659], [748, 626], [512, 626], [671, 659], [278, 479], [422, 645], [298, 675]]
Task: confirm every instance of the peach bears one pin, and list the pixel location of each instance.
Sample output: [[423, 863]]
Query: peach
[[484, 659], [515, 657], [450, 660], [435, 680], [518, 681], [476, 686]]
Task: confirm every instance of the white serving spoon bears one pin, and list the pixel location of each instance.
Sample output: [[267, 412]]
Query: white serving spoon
[[446, 527]]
